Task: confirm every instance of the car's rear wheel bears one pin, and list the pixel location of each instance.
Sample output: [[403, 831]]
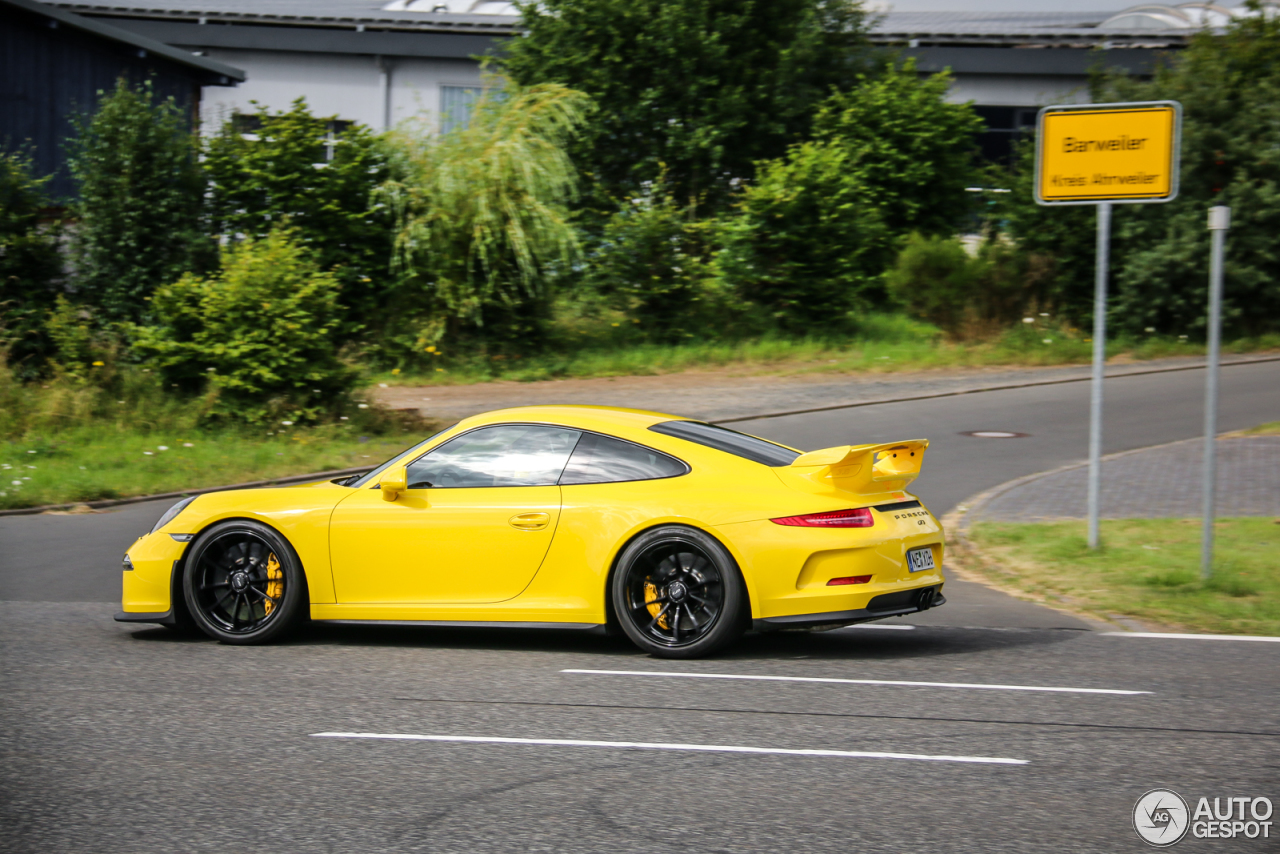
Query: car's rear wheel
[[243, 583], [677, 593]]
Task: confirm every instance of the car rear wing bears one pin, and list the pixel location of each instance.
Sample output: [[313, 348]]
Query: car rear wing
[[865, 468]]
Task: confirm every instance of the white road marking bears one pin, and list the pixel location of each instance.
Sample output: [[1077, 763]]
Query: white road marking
[[976, 685], [1260, 638], [651, 745], [878, 626]]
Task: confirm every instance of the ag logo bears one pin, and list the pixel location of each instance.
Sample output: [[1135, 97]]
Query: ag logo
[[1161, 817]]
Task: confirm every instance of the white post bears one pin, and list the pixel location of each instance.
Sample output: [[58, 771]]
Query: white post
[[1219, 222], [1099, 365], [384, 88]]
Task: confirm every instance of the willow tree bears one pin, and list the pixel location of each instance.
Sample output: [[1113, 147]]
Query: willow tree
[[482, 220]]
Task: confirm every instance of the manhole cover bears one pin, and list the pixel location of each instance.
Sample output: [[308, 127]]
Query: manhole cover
[[994, 434]]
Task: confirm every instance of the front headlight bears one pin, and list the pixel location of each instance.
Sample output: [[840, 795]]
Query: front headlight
[[172, 513]]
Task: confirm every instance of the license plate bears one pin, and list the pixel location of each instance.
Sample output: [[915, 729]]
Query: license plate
[[920, 559]]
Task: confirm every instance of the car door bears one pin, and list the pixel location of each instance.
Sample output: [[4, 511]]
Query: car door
[[473, 525]]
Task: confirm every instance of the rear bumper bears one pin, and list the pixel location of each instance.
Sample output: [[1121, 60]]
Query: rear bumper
[[887, 605]]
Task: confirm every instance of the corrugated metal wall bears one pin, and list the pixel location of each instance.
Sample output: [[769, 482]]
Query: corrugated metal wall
[[47, 73]]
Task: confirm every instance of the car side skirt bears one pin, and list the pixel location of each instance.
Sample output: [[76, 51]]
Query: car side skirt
[[467, 624], [164, 618]]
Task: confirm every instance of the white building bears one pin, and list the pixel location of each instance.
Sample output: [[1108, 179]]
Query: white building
[[381, 61]]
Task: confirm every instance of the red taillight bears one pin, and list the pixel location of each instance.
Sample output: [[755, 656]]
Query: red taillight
[[858, 518], [849, 579]]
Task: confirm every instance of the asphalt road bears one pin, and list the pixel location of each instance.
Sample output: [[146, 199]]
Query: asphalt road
[[120, 739]]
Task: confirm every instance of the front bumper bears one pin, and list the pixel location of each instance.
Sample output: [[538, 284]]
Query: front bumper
[[147, 590]]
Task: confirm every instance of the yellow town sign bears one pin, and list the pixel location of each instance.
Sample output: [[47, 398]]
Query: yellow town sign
[[1108, 152]]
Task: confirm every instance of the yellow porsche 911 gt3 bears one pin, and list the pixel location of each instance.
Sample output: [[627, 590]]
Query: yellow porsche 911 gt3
[[680, 533]]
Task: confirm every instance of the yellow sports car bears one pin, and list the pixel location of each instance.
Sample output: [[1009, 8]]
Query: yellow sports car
[[680, 533]]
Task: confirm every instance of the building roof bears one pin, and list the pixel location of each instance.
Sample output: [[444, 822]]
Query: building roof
[[212, 73], [1147, 25], [307, 13]]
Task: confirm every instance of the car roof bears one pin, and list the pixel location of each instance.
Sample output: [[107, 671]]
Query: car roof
[[605, 419]]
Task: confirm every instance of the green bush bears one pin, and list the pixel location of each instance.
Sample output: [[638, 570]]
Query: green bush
[[934, 278], [319, 179], [808, 243], [653, 263], [968, 296], [30, 267], [141, 200], [258, 334]]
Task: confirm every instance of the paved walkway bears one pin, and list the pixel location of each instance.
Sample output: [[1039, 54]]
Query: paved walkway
[[1151, 483]]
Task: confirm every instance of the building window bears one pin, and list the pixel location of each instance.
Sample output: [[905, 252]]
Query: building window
[[456, 104]]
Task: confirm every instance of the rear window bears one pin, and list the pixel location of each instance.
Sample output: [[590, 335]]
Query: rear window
[[603, 459], [729, 441]]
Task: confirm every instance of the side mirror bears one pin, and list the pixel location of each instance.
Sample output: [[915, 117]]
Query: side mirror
[[393, 482]]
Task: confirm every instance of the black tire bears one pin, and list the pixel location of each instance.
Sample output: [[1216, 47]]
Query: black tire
[[677, 593], [235, 592]]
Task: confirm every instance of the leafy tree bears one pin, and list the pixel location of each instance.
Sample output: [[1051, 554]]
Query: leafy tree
[[809, 242], [260, 332], [141, 200], [317, 177], [1229, 87], [819, 226], [912, 148], [30, 267], [693, 90], [482, 222]]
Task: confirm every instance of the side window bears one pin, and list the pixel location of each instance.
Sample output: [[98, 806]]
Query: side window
[[504, 455], [602, 459]]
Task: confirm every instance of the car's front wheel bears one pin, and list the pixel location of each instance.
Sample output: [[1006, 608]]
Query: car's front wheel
[[677, 593], [243, 583]]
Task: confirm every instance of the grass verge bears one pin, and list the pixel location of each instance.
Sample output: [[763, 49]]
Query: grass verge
[[885, 343], [1147, 569], [92, 464]]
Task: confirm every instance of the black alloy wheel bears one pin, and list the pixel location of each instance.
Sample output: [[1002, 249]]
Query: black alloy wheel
[[243, 583], [678, 593]]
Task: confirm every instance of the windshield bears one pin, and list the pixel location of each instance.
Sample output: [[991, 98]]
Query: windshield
[[372, 475], [729, 441]]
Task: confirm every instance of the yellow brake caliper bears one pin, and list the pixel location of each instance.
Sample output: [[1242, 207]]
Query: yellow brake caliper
[[652, 605], [275, 582]]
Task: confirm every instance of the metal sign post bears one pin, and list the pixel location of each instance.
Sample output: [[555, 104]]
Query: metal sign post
[[1105, 154], [1099, 364], [1219, 222]]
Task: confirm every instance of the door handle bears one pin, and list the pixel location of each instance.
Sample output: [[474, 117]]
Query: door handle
[[530, 521]]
